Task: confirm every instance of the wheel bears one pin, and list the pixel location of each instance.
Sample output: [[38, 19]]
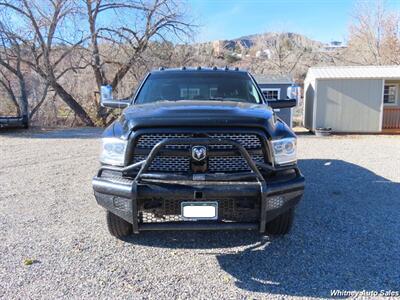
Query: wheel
[[117, 226], [281, 224]]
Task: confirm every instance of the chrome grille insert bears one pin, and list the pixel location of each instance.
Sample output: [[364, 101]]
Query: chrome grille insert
[[249, 141], [167, 163], [230, 163], [215, 163]]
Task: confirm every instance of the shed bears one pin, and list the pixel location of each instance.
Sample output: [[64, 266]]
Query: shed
[[274, 87], [353, 99]]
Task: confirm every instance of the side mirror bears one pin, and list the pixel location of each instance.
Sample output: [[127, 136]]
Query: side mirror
[[288, 103], [107, 100], [294, 92]]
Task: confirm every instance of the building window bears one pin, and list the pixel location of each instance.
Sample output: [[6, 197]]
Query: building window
[[390, 94], [271, 94], [189, 93]]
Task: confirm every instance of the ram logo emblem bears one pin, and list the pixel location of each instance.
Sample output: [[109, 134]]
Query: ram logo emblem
[[199, 153]]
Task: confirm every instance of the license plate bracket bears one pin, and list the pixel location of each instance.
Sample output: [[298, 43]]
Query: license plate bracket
[[199, 210]]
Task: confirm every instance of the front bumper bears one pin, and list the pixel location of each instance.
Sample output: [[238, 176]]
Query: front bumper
[[126, 197]]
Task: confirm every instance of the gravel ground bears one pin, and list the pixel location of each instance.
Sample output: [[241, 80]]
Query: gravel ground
[[346, 234]]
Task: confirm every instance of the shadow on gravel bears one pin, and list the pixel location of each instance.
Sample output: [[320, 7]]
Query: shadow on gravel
[[346, 237], [67, 133], [196, 239]]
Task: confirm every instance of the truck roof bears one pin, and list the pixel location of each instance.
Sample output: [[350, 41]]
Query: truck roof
[[197, 69]]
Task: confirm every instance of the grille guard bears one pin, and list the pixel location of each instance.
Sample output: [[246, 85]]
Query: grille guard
[[143, 174], [145, 164]]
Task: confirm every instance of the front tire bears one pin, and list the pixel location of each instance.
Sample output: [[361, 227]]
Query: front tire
[[117, 226], [281, 224]]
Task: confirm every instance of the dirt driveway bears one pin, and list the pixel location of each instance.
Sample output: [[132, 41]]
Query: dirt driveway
[[346, 234]]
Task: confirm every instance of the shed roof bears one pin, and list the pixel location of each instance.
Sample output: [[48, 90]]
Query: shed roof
[[272, 79], [354, 72]]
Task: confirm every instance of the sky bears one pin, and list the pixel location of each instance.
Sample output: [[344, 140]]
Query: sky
[[322, 20]]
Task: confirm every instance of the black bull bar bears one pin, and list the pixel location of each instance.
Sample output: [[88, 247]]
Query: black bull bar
[[100, 185]]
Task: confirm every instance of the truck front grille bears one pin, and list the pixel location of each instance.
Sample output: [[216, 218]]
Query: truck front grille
[[231, 163], [249, 141], [217, 162], [167, 163]]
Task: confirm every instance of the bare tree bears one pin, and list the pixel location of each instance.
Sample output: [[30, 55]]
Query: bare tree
[[12, 71], [11, 63], [374, 35], [130, 38], [54, 42], [6, 79], [286, 53], [282, 53], [37, 29]]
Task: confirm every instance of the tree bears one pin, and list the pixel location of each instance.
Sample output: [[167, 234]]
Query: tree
[[282, 53], [131, 38], [36, 28], [56, 43], [374, 35], [11, 71]]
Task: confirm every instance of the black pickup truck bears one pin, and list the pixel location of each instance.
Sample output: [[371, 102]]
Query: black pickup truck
[[198, 149]]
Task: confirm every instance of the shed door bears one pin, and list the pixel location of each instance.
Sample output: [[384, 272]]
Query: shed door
[[309, 107], [391, 105]]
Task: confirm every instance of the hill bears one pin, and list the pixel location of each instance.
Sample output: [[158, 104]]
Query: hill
[[268, 39]]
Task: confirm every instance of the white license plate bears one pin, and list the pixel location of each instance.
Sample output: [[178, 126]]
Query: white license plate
[[199, 210]]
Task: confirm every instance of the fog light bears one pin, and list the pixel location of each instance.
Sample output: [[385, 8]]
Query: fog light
[[275, 202]]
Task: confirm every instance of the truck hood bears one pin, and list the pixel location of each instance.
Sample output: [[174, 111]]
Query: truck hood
[[197, 113]]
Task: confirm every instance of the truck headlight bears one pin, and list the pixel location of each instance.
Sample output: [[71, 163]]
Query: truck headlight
[[284, 151], [113, 151]]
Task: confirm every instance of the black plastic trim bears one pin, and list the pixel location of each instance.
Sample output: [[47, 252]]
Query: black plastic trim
[[198, 226]]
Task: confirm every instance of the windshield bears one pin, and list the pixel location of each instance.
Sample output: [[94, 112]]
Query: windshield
[[217, 86]]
